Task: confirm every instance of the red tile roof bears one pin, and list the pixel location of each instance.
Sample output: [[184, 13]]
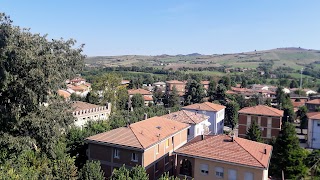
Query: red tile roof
[[147, 98], [315, 101], [222, 148], [298, 104], [63, 93], [142, 134], [262, 110], [206, 106], [205, 82], [139, 91], [186, 117], [313, 115]]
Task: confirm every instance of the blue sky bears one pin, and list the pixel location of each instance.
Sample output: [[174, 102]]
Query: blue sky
[[172, 26]]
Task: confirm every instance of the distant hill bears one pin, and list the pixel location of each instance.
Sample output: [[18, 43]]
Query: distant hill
[[294, 57]]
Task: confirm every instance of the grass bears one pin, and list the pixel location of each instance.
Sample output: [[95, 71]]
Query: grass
[[209, 73]]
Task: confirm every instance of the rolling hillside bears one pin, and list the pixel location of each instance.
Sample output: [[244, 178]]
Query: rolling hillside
[[282, 57]]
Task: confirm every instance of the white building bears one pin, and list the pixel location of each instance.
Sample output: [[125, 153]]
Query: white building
[[199, 123], [85, 112], [314, 130], [214, 111]]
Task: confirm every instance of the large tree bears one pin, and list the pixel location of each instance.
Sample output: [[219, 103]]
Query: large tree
[[302, 114], [173, 99], [254, 132], [232, 109], [287, 155], [212, 90], [194, 93], [225, 80], [220, 94], [137, 172], [33, 118], [137, 101]]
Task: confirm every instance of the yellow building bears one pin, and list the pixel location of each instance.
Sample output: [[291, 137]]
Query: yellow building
[[223, 157]]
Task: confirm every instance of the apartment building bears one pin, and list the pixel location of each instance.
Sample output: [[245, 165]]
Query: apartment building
[[147, 95], [208, 157], [268, 118], [314, 130], [85, 112], [199, 123], [148, 143], [215, 112]]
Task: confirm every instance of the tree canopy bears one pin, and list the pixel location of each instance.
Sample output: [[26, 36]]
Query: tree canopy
[[254, 132]]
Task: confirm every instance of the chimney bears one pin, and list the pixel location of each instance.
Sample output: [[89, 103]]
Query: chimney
[[265, 151], [145, 116], [202, 137]]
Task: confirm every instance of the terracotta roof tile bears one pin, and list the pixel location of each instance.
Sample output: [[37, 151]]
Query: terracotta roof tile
[[315, 101], [147, 98], [139, 91], [222, 148], [186, 117], [206, 106], [313, 115], [142, 134], [298, 104], [262, 110], [63, 93], [79, 105]]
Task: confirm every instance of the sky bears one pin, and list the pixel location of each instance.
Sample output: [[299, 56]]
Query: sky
[[146, 27]]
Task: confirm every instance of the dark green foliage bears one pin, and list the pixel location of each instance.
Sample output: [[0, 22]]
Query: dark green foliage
[[137, 172], [194, 93], [302, 114], [287, 155], [220, 94], [294, 84], [158, 95], [166, 176], [212, 90], [231, 114], [92, 97], [268, 102], [137, 101], [173, 99], [313, 163], [254, 132], [91, 171], [244, 83], [225, 80]]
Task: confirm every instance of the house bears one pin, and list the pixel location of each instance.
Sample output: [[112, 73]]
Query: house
[[223, 157], [125, 82], [85, 112], [160, 85], [179, 85], [268, 118], [149, 143], [147, 95], [77, 81], [214, 111], [205, 84], [314, 130], [199, 123], [313, 105], [65, 94]]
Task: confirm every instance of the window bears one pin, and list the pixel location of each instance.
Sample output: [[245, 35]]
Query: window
[[204, 168], [188, 132], [268, 133], [172, 140], [232, 174], [116, 153], [158, 149], [167, 143], [248, 176], [134, 157], [219, 172], [156, 167], [166, 160]]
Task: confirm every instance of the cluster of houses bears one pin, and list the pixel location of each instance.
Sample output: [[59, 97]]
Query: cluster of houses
[[188, 143], [78, 86], [191, 142]]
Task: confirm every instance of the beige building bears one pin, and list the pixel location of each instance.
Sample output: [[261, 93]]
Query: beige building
[[222, 157], [85, 112], [179, 85], [149, 143]]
